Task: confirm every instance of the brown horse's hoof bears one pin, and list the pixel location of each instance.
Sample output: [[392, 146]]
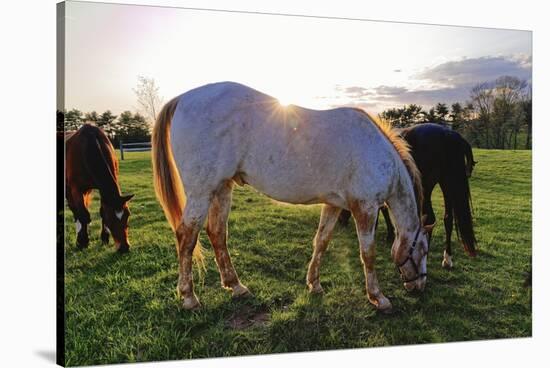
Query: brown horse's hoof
[[123, 249]]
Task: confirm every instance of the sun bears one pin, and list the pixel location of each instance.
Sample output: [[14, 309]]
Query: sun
[[283, 101]]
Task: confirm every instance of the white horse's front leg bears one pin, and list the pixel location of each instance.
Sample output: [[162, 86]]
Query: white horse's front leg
[[365, 220]]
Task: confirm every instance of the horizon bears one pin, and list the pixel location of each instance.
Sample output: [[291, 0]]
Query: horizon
[[318, 63]]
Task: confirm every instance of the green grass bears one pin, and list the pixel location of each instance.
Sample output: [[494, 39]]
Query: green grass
[[124, 308]]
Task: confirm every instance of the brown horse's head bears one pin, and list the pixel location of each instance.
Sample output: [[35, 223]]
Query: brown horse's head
[[115, 217]]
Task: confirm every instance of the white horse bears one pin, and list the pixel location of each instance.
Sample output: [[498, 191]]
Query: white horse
[[219, 134]]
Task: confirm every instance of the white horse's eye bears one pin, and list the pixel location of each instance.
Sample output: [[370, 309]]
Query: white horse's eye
[[119, 214]]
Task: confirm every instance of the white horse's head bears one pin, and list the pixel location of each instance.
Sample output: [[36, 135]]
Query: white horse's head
[[410, 255]]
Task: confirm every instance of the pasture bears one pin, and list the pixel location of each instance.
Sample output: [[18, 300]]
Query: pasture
[[124, 308]]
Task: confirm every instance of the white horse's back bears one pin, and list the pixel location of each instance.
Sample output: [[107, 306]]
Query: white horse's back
[[291, 154]]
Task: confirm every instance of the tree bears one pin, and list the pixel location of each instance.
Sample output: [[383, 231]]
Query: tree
[[148, 97], [441, 112], [431, 116], [91, 117], [482, 99], [527, 109], [508, 115], [403, 117], [133, 127], [73, 120], [456, 116], [107, 122]]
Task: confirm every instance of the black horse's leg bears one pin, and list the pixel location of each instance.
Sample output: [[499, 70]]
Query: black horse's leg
[[344, 217], [428, 208], [390, 232], [447, 255]]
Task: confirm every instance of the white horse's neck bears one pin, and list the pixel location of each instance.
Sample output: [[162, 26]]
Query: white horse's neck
[[403, 206]]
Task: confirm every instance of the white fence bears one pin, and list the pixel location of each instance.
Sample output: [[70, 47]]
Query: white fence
[[133, 147]]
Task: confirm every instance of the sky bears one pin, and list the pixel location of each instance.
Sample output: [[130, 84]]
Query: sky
[[312, 62]]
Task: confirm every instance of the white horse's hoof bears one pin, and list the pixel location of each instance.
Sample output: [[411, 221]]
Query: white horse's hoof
[[240, 291], [381, 303], [191, 303], [315, 288]]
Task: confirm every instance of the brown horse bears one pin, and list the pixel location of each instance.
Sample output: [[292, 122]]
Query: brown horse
[[90, 163]]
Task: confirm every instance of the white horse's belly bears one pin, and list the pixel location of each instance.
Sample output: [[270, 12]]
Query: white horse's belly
[[289, 195]]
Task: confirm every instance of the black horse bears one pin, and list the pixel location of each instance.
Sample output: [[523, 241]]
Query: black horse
[[445, 158]]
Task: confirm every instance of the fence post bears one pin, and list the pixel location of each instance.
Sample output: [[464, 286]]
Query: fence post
[[121, 146]]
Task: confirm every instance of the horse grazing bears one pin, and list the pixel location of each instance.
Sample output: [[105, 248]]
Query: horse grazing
[[220, 134], [443, 157], [91, 163]]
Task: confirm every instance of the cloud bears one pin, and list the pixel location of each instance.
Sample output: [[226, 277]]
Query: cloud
[[357, 92], [476, 70], [448, 82], [389, 90]]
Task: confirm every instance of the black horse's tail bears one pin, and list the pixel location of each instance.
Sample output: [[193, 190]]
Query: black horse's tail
[[460, 191]]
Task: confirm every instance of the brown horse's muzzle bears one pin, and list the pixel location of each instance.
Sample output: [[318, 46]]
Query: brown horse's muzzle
[[122, 247]]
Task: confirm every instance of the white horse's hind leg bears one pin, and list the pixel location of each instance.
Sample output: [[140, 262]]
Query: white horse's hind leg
[[365, 221], [217, 233], [187, 233], [329, 216]]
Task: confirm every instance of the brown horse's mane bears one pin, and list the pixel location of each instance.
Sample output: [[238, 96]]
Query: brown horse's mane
[[404, 151], [101, 161]]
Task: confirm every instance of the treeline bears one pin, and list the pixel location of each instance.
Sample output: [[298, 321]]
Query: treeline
[[497, 115], [128, 126]]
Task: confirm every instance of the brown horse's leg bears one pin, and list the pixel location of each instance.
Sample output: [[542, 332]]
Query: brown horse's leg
[[217, 233], [329, 216], [447, 254], [365, 220], [78, 203], [104, 229], [187, 233]]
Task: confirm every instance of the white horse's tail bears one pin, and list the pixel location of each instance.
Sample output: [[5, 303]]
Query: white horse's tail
[[168, 185]]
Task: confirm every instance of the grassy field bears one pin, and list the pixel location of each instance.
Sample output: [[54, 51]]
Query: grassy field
[[124, 308]]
